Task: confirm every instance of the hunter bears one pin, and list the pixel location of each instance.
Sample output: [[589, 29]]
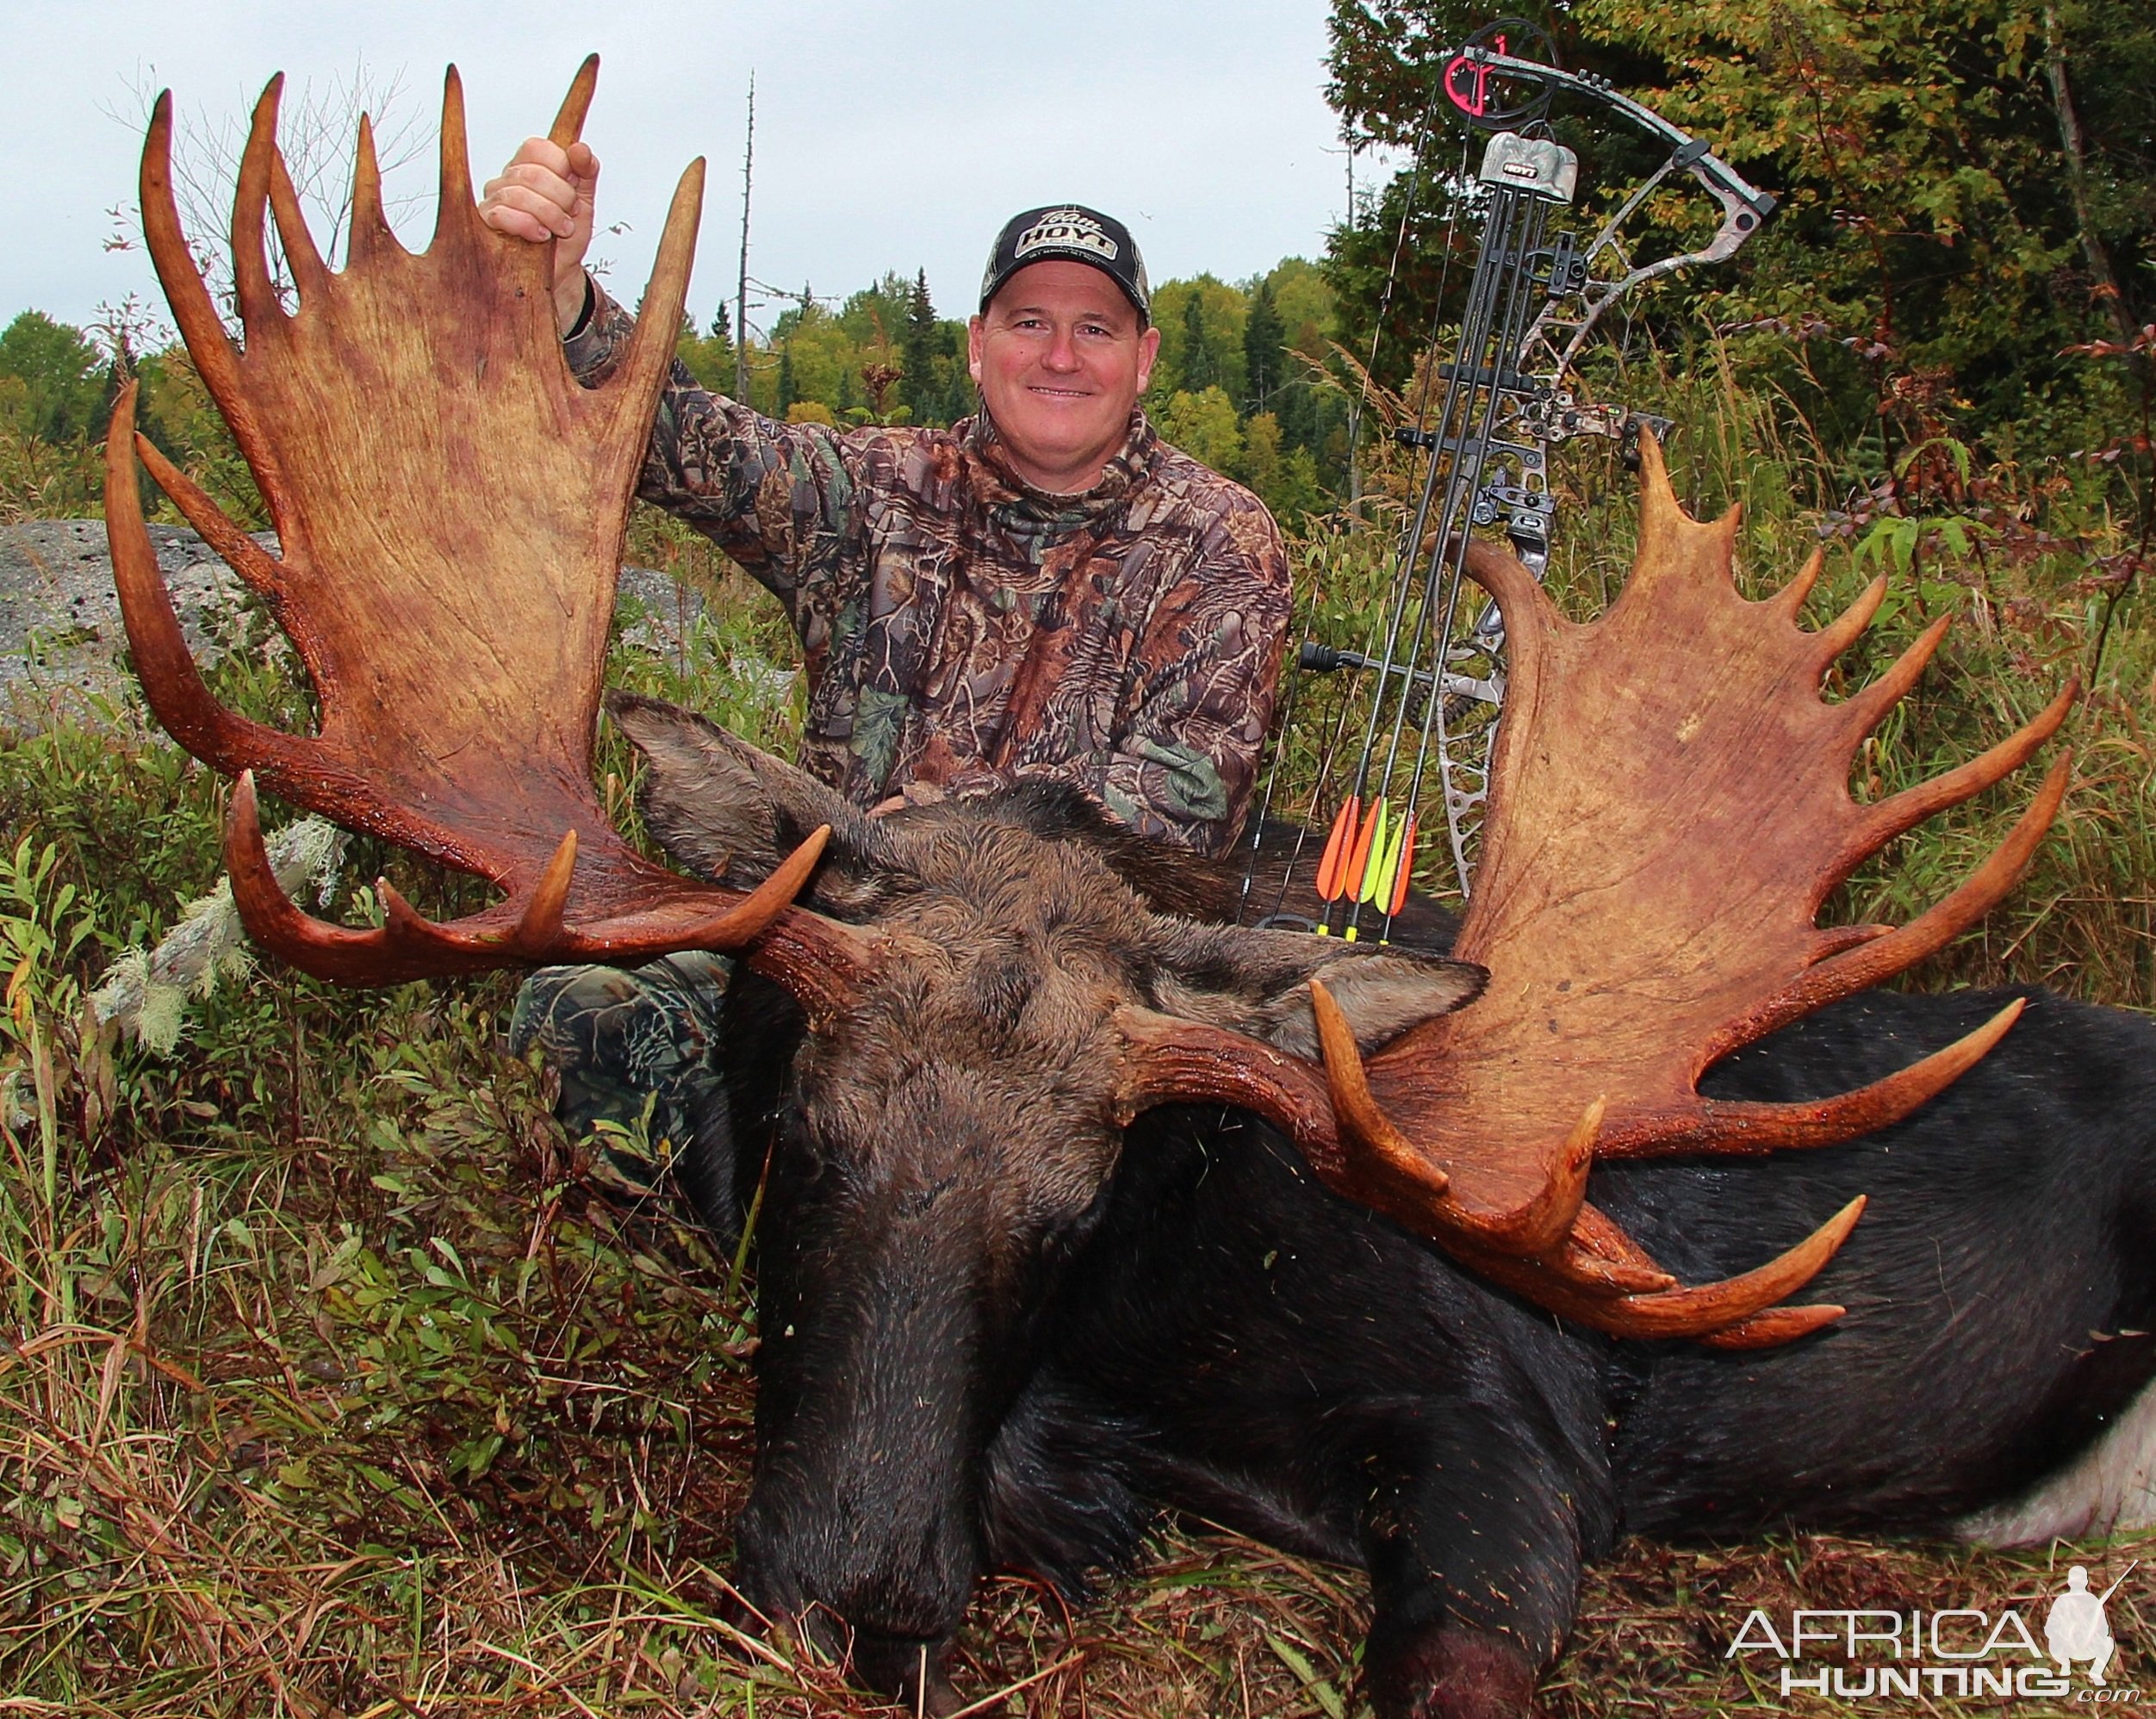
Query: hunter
[[1044, 589]]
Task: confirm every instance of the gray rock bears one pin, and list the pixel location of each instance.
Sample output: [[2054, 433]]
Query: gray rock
[[60, 632], [60, 617]]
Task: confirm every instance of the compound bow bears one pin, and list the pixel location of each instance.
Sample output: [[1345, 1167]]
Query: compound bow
[[1483, 455]]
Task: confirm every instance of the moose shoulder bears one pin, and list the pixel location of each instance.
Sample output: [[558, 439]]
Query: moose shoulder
[[1053, 1229]]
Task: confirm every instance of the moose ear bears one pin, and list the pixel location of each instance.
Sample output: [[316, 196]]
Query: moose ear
[[1257, 982], [727, 811]]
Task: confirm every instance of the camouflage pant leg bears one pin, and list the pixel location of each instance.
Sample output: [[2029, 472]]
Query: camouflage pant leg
[[633, 1047]]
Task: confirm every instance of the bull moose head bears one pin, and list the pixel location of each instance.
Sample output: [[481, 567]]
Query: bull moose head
[[1669, 810]]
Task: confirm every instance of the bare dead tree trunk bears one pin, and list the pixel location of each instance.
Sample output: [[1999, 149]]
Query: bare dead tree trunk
[[741, 288]]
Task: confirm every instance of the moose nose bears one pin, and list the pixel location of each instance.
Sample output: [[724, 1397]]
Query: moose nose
[[897, 1572]]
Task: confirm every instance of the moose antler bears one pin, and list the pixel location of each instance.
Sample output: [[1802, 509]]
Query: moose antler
[[424, 451], [1669, 810]]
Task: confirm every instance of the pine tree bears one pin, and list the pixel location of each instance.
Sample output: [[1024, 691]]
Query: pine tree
[[1199, 371], [1264, 362], [918, 340]]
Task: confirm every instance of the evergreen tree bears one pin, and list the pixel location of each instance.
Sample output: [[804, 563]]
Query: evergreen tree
[[1265, 357], [1200, 371], [919, 340]]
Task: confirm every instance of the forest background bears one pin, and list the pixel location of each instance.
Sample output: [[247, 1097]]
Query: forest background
[[1968, 200]]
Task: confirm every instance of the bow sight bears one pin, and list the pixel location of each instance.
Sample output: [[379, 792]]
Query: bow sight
[[1433, 679]]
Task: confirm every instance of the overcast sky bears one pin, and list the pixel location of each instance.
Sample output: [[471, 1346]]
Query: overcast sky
[[890, 135]]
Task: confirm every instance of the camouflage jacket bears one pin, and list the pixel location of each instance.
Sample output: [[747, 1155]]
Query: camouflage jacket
[[966, 629]]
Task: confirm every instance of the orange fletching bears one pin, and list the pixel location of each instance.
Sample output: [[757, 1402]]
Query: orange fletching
[[1331, 868], [1401, 867]]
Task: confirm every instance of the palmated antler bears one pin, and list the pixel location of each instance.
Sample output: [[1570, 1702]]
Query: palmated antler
[[1669, 810], [450, 506]]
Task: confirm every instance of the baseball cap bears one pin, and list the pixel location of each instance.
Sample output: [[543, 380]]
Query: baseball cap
[[1072, 233]]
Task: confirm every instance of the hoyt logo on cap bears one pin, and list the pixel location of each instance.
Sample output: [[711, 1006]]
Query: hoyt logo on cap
[[1069, 229], [1071, 232]]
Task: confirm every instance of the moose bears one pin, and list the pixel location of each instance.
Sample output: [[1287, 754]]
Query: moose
[[1080, 1199]]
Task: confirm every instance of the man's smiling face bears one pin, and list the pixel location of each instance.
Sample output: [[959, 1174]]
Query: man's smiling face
[[1060, 356]]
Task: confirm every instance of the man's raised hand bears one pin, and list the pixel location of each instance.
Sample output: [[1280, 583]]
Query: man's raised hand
[[545, 192]]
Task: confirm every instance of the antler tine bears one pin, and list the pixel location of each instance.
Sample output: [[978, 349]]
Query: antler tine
[[1789, 599], [262, 572], [1734, 1125], [162, 660], [259, 310], [368, 228], [818, 960], [1708, 1307], [539, 927], [1881, 958], [1775, 1326], [455, 214], [651, 347], [1361, 1119], [1669, 537], [207, 343], [569, 122], [1699, 1311], [1846, 628], [1599, 1248], [309, 273], [1659, 507], [750, 917], [1864, 710], [1910, 807], [340, 954]]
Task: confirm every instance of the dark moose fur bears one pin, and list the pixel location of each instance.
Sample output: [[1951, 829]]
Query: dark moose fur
[[955, 1378]]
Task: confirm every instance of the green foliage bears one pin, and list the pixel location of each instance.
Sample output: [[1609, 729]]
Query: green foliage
[[54, 389], [932, 362], [1201, 323], [62, 379], [1203, 425], [56, 396], [710, 355], [1936, 234]]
